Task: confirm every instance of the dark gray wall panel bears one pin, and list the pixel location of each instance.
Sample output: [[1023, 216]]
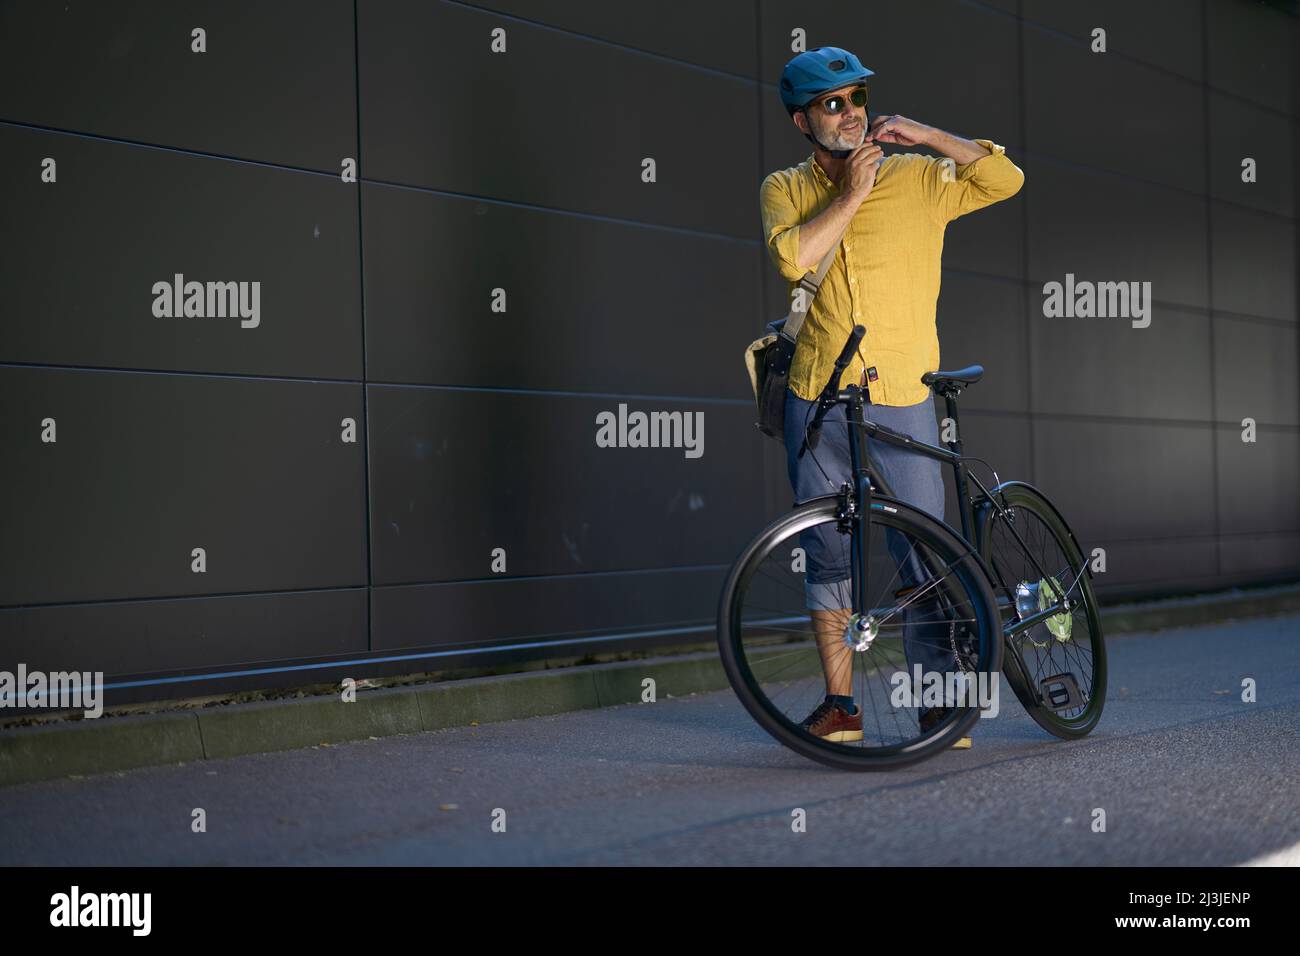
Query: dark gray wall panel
[[719, 35], [1170, 565], [783, 145], [961, 42], [1001, 440], [82, 256], [139, 637], [989, 240], [1120, 481], [1142, 31], [1239, 131], [125, 69], [982, 321], [1112, 113], [1258, 481], [1255, 367], [1250, 52], [590, 302], [778, 496], [455, 474], [549, 608], [1255, 556], [1108, 228], [1254, 262], [148, 467], [514, 137], [1105, 366]]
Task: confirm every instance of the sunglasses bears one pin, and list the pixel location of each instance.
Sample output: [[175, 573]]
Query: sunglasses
[[838, 102]]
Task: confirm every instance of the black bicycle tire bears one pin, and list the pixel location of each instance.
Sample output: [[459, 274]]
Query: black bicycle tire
[[1021, 495], [950, 547]]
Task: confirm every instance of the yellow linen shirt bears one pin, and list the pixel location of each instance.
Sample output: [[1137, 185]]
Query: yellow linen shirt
[[887, 268]]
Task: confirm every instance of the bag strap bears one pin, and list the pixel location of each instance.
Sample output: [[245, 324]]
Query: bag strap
[[810, 286]]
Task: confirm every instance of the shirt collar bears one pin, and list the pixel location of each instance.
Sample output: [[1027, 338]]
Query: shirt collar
[[818, 174]]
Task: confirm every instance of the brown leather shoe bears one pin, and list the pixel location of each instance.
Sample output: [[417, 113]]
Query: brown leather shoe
[[936, 715], [830, 721]]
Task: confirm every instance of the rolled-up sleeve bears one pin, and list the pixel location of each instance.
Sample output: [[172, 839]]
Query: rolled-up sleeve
[[953, 190], [780, 227]]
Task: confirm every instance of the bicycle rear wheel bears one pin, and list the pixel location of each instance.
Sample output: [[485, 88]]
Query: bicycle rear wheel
[[1057, 668], [927, 600]]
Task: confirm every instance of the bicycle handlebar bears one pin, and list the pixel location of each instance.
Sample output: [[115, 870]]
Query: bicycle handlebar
[[830, 394]]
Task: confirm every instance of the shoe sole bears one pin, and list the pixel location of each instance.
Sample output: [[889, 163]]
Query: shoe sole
[[848, 736], [842, 736]]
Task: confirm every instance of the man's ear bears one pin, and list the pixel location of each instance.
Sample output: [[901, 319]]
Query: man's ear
[[801, 121]]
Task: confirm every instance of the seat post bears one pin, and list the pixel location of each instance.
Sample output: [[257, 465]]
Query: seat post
[[950, 400], [959, 469]]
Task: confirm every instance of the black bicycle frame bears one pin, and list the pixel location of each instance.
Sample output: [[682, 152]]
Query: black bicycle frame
[[866, 484]]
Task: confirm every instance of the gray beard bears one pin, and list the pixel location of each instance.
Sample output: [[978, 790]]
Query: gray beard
[[844, 142]]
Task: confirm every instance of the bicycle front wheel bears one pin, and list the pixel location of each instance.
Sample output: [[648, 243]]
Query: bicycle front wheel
[[919, 652]]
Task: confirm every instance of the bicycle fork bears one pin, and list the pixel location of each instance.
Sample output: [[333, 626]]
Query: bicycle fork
[[855, 518]]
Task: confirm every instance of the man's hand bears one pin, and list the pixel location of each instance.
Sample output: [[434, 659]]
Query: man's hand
[[899, 130], [858, 174]]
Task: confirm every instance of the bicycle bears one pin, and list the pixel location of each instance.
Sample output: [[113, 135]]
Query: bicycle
[[1009, 594]]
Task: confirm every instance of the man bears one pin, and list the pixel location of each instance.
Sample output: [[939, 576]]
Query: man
[[885, 276]]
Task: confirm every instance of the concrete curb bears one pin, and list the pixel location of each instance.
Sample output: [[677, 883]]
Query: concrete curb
[[1203, 609], [81, 747]]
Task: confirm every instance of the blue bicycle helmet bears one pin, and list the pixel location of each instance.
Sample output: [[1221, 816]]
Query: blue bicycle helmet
[[814, 72]]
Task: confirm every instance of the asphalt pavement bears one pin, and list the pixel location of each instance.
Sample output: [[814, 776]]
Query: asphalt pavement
[[1184, 770]]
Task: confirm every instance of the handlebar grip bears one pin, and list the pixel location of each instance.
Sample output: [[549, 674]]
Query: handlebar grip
[[829, 393], [850, 347]]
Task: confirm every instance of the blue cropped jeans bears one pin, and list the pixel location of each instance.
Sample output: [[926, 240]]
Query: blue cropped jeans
[[914, 478]]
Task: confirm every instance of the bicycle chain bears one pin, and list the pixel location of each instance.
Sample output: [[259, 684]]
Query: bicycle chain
[[952, 643]]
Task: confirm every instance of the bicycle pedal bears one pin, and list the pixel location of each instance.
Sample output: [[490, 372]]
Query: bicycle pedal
[[1060, 692]]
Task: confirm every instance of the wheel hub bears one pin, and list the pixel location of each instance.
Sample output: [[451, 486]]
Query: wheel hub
[[1033, 597], [861, 631]]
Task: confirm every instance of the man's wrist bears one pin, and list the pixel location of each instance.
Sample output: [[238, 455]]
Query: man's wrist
[[929, 136]]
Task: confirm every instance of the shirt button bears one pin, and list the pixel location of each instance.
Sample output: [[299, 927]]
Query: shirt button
[[847, 247], [857, 315], [853, 280]]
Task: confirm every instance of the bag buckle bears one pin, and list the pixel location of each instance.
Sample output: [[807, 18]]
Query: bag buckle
[[808, 285]]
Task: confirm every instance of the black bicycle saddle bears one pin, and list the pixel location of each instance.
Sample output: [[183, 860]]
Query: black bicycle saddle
[[941, 381]]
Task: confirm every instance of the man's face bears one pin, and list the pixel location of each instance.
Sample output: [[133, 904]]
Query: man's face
[[846, 129]]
